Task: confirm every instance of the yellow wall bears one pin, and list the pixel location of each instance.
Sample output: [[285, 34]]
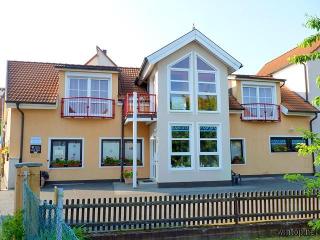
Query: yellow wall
[[49, 124], [259, 159]]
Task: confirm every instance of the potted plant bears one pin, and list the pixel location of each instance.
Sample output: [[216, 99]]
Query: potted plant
[[127, 175], [58, 163], [73, 163], [109, 161]]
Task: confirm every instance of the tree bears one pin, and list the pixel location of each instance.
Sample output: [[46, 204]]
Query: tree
[[310, 184]]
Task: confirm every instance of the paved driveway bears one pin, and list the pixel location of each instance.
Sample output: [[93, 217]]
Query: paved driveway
[[107, 189]]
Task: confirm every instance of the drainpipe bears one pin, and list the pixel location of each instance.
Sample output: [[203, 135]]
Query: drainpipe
[[306, 85], [122, 140], [22, 131], [313, 155]]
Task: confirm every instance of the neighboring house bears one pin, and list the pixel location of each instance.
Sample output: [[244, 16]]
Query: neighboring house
[[301, 78], [194, 125]]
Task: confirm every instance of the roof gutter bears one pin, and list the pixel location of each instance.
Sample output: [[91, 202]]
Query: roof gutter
[[306, 82], [22, 131]]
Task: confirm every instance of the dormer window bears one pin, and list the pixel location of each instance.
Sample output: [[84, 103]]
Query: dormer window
[[180, 89], [207, 86], [88, 95]]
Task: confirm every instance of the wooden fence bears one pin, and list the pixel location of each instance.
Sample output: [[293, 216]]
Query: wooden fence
[[125, 213]]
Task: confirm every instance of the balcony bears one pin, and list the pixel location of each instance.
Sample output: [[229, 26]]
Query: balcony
[[87, 107], [146, 106], [260, 112]]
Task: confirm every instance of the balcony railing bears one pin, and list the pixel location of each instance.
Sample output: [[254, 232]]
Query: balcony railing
[[87, 107], [260, 112], [146, 104]]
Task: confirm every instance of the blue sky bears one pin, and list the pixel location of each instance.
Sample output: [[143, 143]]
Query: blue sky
[[68, 31]]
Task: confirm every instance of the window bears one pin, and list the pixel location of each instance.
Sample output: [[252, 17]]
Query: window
[[89, 87], [128, 152], [180, 144], [237, 149], [259, 103], [207, 87], [257, 94], [286, 144], [111, 152], [180, 85], [208, 146], [66, 153]]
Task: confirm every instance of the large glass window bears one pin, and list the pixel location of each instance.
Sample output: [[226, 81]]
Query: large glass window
[[66, 153], [111, 152], [207, 87], [237, 149], [208, 146], [88, 87], [286, 144], [180, 85], [180, 152]]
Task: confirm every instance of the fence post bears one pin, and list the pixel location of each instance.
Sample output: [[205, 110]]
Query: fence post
[[59, 215], [236, 208]]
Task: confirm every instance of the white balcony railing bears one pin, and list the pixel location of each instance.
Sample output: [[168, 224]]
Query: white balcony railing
[[87, 107], [260, 112]]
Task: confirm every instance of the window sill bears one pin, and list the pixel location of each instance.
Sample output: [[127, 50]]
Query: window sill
[[119, 166], [181, 169], [64, 168], [209, 168]]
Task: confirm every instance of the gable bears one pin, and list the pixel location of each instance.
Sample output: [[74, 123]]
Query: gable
[[193, 36]]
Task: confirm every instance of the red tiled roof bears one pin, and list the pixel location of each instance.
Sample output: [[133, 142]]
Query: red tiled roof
[[127, 77], [234, 104], [282, 61], [32, 82], [294, 102]]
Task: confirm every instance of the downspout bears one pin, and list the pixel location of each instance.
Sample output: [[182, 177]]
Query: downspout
[[313, 155], [306, 85], [22, 131], [122, 141]]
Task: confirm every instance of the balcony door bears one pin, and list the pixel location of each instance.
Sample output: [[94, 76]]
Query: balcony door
[[259, 101], [89, 97]]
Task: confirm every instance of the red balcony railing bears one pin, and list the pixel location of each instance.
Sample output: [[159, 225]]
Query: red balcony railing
[[260, 112], [146, 104], [87, 107]]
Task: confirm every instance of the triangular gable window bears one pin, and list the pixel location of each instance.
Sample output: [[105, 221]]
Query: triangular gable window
[[201, 65], [182, 64]]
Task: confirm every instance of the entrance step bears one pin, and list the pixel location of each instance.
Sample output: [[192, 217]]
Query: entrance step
[[147, 181]]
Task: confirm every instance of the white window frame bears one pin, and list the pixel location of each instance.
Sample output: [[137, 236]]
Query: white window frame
[[89, 77], [190, 78], [218, 139], [118, 138], [191, 145], [244, 152], [217, 83], [257, 85], [65, 138]]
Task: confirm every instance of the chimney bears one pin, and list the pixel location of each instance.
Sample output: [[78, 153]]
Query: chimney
[[104, 51]]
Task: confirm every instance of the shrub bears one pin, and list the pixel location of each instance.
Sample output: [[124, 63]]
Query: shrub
[[12, 227], [128, 174]]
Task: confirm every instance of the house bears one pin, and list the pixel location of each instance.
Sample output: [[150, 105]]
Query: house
[[301, 78], [196, 119]]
